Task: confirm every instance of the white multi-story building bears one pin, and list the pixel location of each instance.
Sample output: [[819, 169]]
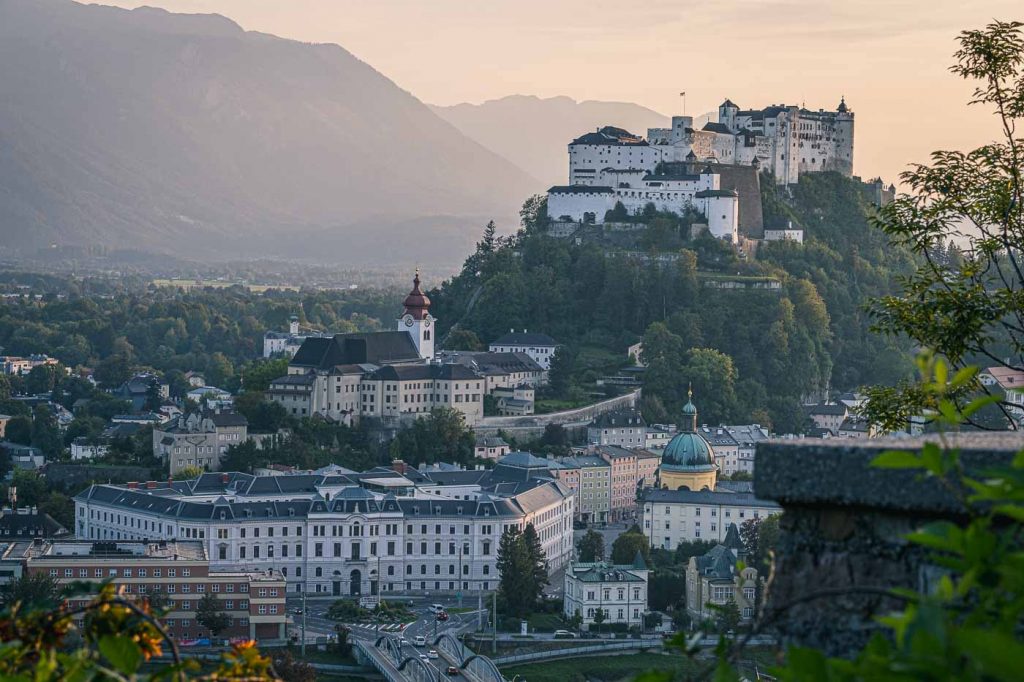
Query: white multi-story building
[[287, 344], [539, 347], [675, 516], [673, 190], [385, 375], [348, 534], [674, 168], [782, 139], [199, 439], [618, 591]]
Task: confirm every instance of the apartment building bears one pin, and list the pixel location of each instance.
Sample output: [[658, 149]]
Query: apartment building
[[180, 571]]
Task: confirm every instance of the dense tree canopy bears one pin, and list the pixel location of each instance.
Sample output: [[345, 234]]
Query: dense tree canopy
[[749, 352]]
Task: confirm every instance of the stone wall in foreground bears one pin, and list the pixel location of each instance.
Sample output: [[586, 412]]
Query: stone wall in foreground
[[843, 527]]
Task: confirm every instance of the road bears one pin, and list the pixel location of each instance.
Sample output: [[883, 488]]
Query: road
[[425, 625]]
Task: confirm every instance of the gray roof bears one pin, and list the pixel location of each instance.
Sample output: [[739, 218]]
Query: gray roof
[[717, 128], [619, 419], [601, 572], [580, 189], [711, 497], [837, 409], [524, 339], [718, 564], [353, 349], [704, 193], [413, 372], [610, 135]]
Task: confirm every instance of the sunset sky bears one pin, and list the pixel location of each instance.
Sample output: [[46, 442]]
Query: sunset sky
[[890, 58]]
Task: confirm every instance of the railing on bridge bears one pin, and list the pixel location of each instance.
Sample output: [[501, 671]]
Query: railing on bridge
[[386, 655], [476, 667]]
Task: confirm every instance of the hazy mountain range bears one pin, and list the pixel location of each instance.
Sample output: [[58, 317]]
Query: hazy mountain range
[[533, 133], [185, 134]]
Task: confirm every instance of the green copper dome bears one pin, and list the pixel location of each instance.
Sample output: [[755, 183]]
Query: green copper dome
[[688, 451]]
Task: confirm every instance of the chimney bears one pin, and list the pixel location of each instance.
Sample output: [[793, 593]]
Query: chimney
[[132, 485], [398, 465], [150, 485]]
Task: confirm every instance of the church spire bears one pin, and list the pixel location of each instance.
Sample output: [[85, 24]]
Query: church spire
[[416, 303], [689, 422]]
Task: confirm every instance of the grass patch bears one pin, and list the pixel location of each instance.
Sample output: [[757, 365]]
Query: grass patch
[[538, 622], [313, 655], [612, 668]]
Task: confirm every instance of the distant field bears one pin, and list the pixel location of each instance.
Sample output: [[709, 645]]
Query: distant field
[[612, 668], [200, 284], [626, 667]]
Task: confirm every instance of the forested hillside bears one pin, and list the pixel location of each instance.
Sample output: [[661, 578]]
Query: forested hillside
[[751, 354], [214, 331]]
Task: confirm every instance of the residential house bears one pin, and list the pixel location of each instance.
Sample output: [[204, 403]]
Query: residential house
[[491, 447], [199, 440], [619, 591], [540, 347], [625, 428], [137, 390], [828, 415], [714, 579]]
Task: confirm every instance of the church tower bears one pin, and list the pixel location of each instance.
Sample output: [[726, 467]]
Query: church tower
[[417, 320]]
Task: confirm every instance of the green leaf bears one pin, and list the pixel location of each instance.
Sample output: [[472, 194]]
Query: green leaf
[[1014, 511], [897, 459], [979, 403], [963, 376], [997, 654], [122, 653]]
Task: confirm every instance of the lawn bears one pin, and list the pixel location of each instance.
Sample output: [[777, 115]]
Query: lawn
[[613, 668]]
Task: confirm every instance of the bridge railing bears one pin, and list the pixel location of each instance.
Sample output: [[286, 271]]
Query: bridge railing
[[580, 651]]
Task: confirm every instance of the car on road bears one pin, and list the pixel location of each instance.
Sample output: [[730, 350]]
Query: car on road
[[564, 634], [452, 670], [442, 616], [431, 654], [297, 610], [424, 658], [419, 640], [436, 608]]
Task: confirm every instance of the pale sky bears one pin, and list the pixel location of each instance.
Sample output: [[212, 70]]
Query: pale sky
[[890, 58]]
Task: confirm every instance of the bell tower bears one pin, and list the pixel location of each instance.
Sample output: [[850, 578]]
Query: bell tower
[[416, 320]]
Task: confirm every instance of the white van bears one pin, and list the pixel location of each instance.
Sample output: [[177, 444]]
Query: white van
[[419, 640], [436, 608]]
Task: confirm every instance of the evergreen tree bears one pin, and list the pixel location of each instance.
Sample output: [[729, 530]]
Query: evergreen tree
[[211, 614], [517, 587], [538, 562], [590, 548]]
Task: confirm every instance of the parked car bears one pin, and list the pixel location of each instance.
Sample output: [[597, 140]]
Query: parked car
[[564, 634], [419, 640], [452, 670], [431, 654]]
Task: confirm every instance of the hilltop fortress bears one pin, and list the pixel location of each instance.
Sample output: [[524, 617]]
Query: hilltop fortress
[[681, 168]]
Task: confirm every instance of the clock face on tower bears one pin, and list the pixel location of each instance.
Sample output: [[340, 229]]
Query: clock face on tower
[[408, 320]]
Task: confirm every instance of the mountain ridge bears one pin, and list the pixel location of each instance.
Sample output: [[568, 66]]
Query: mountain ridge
[[185, 134]]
